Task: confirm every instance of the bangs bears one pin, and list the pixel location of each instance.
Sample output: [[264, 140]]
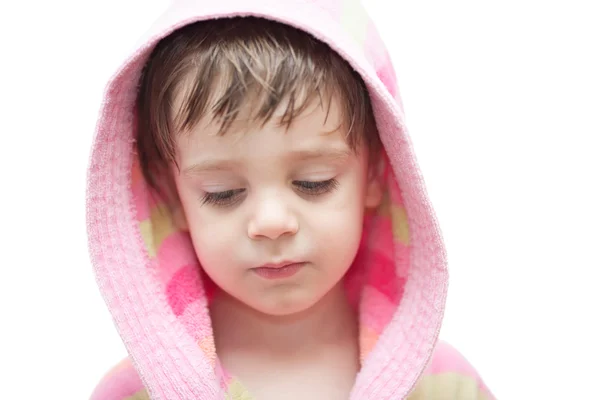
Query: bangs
[[242, 68]]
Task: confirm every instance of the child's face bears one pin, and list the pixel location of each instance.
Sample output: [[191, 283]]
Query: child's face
[[269, 196]]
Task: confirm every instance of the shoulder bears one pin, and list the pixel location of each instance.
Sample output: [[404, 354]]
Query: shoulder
[[450, 376], [121, 382]]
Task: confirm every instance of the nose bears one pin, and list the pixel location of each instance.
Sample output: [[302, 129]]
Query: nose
[[272, 219]]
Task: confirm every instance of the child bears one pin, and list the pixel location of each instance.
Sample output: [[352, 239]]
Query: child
[[257, 221]]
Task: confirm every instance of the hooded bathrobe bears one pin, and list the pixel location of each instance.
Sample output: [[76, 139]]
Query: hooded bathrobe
[[152, 283]]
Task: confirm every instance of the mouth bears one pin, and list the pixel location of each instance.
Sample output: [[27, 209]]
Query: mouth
[[280, 270]]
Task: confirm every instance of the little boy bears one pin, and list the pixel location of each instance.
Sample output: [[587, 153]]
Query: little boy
[[267, 236]]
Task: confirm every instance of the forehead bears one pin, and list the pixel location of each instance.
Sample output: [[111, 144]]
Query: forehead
[[319, 127]]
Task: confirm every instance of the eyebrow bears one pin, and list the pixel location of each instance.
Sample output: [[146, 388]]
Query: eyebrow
[[216, 165], [333, 154], [210, 165]]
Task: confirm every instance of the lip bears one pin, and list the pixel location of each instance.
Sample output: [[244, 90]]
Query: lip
[[279, 270]]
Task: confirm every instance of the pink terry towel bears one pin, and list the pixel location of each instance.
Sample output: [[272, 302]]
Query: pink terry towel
[[153, 285]]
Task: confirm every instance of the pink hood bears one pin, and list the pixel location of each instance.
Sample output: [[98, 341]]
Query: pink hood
[[147, 270]]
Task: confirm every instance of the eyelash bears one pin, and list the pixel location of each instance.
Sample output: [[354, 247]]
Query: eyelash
[[222, 199], [229, 197], [317, 188]]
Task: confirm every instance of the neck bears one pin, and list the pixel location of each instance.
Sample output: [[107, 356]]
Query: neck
[[331, 320]]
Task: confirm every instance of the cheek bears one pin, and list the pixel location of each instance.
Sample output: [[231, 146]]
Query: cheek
[[340, 223], [212, 234], [212, 237]]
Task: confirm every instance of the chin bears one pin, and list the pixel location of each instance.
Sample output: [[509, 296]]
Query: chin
[[287, 305], [288, 310]]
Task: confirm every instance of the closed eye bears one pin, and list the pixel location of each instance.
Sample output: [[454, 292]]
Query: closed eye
[[224, 198], [316, 188], [229, 197]]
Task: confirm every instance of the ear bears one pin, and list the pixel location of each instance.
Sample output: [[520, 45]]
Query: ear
[[374, 189], [177, 211], [179, 218]]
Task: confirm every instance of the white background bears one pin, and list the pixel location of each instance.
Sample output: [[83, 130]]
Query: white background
[[502, 100]]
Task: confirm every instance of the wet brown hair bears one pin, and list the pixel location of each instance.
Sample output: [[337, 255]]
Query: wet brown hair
[[226, 64]]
